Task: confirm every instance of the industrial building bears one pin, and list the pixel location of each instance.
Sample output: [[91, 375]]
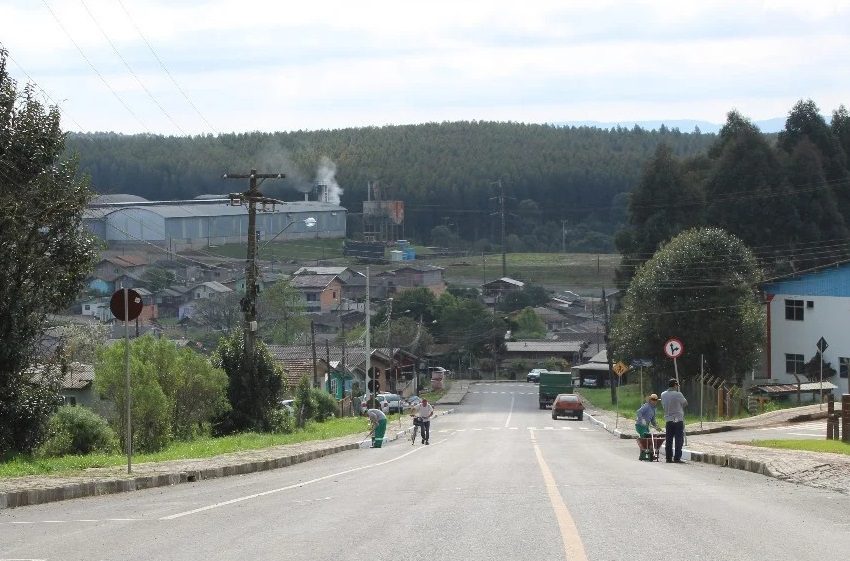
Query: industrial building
[[206, 221]]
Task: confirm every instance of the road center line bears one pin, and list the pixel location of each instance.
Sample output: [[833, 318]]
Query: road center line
[[288, 487], [573, 546], [510, 412]]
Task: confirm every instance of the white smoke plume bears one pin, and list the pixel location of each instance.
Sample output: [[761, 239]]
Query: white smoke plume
[[326, 175]]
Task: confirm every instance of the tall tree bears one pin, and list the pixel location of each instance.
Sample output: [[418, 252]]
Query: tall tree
[[44, 250], [700, 287], [746, 191], [665, 202], [253, 392]]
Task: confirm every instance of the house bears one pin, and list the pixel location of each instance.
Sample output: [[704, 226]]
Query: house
[[594, 373], [111, 266], [149, 307], [413, 276], [355, 281], [494, 290], [321, 293], [292, 358], [96, 308], [169, 300], [802, 310], [540, 351], [209, 289]]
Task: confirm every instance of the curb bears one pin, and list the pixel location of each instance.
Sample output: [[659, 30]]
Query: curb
[[28, 497], [734, 462], [721, 460]]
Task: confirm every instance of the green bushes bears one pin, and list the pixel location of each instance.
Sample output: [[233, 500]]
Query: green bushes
[[326, 405], [78, 430], [281, 421], [176, 392]]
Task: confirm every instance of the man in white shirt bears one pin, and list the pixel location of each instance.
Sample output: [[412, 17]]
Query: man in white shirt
[[674, 404], [424, 413]]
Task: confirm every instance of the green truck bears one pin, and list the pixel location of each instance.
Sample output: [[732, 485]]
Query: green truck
[[554, 383]]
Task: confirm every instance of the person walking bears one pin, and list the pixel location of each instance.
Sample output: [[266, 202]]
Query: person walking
[[644, 418], [674, 404], [425, 412], [378, 422]]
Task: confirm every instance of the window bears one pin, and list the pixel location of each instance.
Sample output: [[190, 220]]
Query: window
[[334, 294], [312, 297], [843, 366], [87, 307], [794, 364], [794, 310]]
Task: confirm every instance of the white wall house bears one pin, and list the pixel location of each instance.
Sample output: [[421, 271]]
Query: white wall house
[[800, 311]]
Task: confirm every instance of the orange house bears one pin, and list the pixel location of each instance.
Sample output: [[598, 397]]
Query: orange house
[[321, 293]]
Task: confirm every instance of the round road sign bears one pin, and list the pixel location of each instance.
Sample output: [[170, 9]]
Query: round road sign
[[134, 306], [673, 348]]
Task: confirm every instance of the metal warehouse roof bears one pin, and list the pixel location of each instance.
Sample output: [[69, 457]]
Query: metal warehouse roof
[[543, 346], [189, 209]]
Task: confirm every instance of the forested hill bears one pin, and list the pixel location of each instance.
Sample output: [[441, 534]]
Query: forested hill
[[444, 172]]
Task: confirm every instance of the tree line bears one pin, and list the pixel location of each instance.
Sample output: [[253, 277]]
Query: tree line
[[787, 200], [555, 178]]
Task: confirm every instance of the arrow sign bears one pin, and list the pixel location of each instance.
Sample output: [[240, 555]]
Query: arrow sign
[[822, 345], [673, 348]]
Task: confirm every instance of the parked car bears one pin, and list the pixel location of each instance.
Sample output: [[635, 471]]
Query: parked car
[[568, 405], [381, 402], [534, 375], [413, 401], [287, 404], [395, 404]]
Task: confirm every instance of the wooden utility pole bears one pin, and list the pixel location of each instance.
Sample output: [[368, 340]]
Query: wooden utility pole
[[608, 350], [313, 344], [252, 197], [501, 199]]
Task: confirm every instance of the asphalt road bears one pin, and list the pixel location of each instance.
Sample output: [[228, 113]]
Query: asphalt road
[[500, 480]]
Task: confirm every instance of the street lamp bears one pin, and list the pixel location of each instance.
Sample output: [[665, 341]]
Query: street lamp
[[309, 222]]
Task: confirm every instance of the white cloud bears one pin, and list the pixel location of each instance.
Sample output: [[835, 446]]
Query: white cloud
[[278, 65]]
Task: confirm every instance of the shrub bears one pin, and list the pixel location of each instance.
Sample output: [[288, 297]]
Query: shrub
[[305, 404], [281, 421], [78, 430], [326, 405]]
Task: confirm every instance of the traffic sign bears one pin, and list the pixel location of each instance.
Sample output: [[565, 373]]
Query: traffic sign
[[673, 348], [134, 304], [822, 345], [620, 368]]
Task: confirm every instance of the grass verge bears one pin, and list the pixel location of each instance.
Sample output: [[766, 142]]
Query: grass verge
[[21, 465], [830, 446]]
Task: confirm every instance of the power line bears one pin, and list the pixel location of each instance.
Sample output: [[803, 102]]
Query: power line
[[162, 65], [130, 69], [92, 66]]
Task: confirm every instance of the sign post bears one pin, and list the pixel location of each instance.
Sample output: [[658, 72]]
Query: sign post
[[674, 348], [126, 304], [619, 369], [822, 345]]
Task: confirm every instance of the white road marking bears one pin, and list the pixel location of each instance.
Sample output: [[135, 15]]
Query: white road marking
[[288, 487], [510, 411], [513, 428]]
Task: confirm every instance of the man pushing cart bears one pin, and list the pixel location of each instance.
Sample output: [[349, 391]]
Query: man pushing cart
[[648, 443]]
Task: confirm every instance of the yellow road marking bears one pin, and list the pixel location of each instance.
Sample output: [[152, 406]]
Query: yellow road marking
[[573, 546]]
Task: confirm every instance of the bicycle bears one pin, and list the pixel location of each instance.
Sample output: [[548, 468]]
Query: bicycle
[[417, 422]]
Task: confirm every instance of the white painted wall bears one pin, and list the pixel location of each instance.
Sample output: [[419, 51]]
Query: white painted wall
[[829, 318]]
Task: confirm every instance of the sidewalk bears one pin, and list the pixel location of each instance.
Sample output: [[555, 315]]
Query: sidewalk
[[38, 489], [815, 469]]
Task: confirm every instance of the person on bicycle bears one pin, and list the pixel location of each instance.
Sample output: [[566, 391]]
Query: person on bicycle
[[424, 414]]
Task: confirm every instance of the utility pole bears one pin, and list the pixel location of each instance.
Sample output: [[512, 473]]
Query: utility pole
[[313, 344], [501, 199], [608, 350], [252, 197], [563, 236]]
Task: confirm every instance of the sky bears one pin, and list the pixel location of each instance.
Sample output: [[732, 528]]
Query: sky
[[190, 67]]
